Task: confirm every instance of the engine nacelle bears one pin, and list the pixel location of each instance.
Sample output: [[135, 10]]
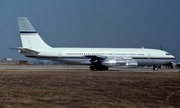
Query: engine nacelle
[[114, 62], [131, 63], [120, 62]]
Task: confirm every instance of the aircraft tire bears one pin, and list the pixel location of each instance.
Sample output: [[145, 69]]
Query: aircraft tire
[[155, 68], [92, 68], [98, 68], [105, 68]]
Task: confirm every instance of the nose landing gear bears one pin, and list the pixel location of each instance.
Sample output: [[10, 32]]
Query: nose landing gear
[[155, 68]]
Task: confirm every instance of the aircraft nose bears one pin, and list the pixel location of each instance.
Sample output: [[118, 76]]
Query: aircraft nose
[[173, 57]]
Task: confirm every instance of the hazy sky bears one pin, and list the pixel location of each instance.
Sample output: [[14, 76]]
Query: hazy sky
[[93, 23]]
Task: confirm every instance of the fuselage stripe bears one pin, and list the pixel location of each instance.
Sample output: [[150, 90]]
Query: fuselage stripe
[[89, 58], [28, 32]]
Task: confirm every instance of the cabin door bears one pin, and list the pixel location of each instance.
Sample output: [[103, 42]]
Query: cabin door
[[59, 54], [149, 55]]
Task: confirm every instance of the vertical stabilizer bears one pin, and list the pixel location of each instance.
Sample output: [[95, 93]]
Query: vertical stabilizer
[[29, 37]]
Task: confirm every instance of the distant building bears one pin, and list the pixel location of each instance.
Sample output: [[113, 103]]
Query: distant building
[[8, 59], [23, 62], [9, 62]]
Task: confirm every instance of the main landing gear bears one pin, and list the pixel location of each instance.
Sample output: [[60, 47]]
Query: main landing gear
[[102, 67]]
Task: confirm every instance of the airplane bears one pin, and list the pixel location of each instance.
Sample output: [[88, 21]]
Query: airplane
[[97, 58]]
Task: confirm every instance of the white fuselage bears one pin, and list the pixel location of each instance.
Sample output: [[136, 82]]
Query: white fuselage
[[78, 55]]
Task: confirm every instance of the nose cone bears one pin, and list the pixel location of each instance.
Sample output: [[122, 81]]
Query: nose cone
[[173, 57]]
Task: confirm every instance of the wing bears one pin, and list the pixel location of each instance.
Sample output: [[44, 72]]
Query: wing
[[95, 58], [112, 61]]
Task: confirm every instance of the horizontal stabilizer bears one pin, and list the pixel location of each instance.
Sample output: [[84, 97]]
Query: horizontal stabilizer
[[13, 48], [27, 51]]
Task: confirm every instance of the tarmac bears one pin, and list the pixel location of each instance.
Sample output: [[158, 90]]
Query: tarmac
[[72, 86], [81, 68]]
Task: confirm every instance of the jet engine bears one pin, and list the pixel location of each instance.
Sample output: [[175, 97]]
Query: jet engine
[[131, 63], [114, 62], [110, 62]]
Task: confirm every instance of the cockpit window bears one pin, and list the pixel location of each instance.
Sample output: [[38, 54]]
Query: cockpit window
[[167, 54]]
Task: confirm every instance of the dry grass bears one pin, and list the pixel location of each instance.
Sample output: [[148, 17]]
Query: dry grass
[[61, 89]]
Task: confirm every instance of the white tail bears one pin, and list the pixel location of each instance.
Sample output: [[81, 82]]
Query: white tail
[[29, 37]]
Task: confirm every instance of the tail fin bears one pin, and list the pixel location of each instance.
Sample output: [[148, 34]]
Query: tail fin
[[29, 37]]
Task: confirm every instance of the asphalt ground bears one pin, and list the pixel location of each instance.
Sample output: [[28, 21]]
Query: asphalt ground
[[81, 68], [78, 87]]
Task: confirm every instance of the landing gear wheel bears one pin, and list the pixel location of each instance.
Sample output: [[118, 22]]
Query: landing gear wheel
[[155, 68], [105, 68], [92, 68], [101, 68], [98, 68]]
